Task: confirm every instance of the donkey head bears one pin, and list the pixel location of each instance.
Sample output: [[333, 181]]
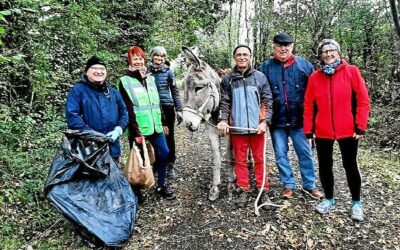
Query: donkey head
[[201, 90]]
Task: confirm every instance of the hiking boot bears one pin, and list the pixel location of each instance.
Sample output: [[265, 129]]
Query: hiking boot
[[242, 198], [314, 193], [325, 207], [357, 213], [165, 193], [171, 173], [287, 193]]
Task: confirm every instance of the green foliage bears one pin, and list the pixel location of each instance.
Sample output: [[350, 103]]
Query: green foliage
[[24, 159], [4, 58], [180, 23]]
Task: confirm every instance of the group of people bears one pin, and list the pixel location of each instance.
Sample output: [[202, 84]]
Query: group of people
[[145, 106], [295, 102], [285, 95]]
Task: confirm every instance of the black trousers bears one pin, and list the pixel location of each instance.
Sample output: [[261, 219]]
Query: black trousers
[[169, 113], [348, 149]]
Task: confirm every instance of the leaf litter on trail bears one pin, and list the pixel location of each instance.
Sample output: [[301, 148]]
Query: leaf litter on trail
[[194, 222]]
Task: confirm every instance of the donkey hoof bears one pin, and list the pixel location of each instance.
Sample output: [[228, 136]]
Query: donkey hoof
[[214, 193]]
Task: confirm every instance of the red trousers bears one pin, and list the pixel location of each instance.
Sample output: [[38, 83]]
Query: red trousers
[[241, 145]]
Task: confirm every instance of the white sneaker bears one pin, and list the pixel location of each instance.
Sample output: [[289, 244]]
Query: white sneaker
[[325, 207], [357, 213]]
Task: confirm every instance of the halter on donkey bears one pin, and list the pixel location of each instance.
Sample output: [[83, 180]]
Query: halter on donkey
[[201, 102]]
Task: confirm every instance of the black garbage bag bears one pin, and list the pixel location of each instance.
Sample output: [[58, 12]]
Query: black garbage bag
[[86, 186]]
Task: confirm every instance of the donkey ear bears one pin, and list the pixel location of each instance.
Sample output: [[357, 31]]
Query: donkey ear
[[191, 57]]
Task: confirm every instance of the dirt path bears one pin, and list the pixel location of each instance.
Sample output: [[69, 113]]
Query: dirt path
[[193, 222]]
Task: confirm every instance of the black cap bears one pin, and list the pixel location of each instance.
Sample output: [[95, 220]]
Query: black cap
[[241, 46], [283, 38], [93, 61]]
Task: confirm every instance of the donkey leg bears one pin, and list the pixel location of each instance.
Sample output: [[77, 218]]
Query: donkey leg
[[230, 161], [214, 142]]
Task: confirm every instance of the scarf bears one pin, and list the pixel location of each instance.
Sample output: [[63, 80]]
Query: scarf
[[156, 68], [330, 69], [289, 61]]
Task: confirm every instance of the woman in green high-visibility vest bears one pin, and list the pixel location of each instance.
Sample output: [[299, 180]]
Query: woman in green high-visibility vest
[[141, 98]]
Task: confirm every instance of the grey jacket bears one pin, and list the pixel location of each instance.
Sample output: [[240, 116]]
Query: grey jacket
[[246, 100]]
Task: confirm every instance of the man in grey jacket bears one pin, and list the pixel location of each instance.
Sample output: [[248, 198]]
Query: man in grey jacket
[[245, 111]]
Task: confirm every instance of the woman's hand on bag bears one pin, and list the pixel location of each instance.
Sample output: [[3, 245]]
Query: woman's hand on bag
[[139, 139]]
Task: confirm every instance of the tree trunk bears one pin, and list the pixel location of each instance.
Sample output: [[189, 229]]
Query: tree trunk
[[395, 15], [239, 20], [230, 26]]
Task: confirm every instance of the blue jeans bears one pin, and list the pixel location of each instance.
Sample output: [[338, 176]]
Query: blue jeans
[[280, 138], [161, 152]]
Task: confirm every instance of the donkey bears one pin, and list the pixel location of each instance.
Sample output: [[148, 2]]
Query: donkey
[[201, 106]]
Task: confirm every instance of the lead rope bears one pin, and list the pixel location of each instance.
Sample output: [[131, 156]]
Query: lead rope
[[256, 207], [206, 118]]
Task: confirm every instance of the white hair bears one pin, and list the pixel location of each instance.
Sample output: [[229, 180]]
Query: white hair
[[159, 50]]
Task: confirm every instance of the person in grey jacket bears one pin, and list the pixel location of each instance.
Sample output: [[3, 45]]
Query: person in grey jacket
[[170, 100], [245, 111]]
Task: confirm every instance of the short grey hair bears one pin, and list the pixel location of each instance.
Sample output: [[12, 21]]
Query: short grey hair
[[159, 50]]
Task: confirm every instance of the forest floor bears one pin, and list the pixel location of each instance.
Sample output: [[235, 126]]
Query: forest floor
[[193, 222]]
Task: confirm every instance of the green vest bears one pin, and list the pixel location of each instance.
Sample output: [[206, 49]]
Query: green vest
[[146, 104]]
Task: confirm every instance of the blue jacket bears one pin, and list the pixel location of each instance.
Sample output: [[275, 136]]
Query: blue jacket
[[166, 85], [288, 109], [89, 107], [245, 100]]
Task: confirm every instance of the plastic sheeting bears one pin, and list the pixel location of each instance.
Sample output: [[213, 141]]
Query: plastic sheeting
[[86, 186]]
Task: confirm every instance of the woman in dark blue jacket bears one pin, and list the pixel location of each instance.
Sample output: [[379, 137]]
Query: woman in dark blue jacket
[[170, 100], [92, 104]]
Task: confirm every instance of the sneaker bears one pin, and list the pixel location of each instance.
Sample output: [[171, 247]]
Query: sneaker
[[242, 198], [325, 207], [287, 193], [357, 213], [314, 193], [165, 193]]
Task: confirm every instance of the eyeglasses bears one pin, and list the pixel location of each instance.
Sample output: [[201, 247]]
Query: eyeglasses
[[159, 55], [98, 68], [329, 51], [242, 55]]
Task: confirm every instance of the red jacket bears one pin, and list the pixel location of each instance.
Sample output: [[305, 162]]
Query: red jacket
[[336, 106]]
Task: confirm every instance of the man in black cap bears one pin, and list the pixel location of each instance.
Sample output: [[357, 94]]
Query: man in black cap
[[92, 104], [245, 110], [287, 75]]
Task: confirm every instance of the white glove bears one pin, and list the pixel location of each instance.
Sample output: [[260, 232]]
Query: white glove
[[117, 132]]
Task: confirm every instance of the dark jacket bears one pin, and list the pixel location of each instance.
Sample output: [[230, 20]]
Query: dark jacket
[[166, 85], [288, 88], [91, 106], [336, 106], [246, 100]]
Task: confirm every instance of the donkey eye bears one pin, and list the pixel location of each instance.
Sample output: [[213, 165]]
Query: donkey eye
[[198, 88]]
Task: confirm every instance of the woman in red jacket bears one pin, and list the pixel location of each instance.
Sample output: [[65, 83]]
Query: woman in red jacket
[[336, 107]]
